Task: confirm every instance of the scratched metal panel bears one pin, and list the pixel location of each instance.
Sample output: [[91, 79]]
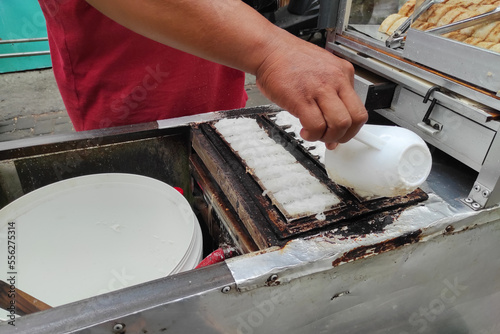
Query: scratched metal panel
[[444, 280]]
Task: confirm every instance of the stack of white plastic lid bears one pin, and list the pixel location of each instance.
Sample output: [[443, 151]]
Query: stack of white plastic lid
[[93, 234]]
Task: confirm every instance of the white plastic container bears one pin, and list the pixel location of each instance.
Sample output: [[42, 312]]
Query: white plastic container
[[93, 234], [381, 161]]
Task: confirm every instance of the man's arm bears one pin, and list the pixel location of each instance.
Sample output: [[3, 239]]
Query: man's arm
[[302, 78]]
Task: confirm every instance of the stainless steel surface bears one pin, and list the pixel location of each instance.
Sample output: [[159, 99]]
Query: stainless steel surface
[[370, 30], [154, 306], [362, 86], [23, 40], [471, 64], [24, 54], [486, 189], [213, 116], [467, 141]]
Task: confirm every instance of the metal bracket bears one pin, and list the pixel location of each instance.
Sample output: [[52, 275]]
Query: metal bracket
[[478, 196], [428, 125]]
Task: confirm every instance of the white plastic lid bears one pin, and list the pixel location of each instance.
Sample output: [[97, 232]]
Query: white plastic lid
[[93, 234]]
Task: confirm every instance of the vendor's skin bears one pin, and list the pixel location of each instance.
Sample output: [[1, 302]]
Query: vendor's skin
[[300, 77]]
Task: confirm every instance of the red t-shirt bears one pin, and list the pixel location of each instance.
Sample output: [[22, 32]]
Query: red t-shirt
[[111, 76]]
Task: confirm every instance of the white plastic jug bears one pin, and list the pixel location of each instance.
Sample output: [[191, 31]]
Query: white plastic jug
[[381, 161]]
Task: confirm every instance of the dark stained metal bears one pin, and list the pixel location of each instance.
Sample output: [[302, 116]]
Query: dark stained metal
[[40, 170], [388, 245], [163, 155], [220, 216], [240, 189], [81, 140]]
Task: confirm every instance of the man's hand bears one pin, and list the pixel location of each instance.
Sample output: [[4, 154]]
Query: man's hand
[[316, 87]]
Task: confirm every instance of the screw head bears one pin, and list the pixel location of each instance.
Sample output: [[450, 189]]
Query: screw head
[[118, 328], [468, 200], [477, 188], [226, 289], [486, 193], [476, 205]]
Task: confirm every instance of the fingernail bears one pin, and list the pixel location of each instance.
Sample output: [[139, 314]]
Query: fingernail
[[331, 146], [304, 134]]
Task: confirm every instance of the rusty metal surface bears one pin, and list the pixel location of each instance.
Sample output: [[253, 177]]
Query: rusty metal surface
[[222, 210], [79, 140], [242, 197], [386, 246]]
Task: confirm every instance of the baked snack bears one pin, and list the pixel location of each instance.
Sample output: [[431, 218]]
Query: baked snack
[[456, 35], [495, 47], [450, 16], [494, 35], [473, 40], [485, 45], [407, 8], [389, 22]]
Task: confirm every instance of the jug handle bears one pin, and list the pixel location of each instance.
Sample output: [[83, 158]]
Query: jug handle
[[369, 139]]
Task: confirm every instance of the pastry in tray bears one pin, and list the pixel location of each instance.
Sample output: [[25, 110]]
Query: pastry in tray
[[391, 23], [486, 35]]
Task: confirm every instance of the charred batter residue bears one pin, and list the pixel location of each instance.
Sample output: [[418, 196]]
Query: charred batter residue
[[365, 251]]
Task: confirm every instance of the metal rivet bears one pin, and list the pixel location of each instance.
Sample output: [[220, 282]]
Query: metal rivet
[[226, 289], [476, 205], [486, 193], [477, 188], [468, 200], [118, 328], [273, 277]]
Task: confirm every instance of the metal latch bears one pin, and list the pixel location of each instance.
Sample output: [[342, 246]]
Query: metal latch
[[430, 126]]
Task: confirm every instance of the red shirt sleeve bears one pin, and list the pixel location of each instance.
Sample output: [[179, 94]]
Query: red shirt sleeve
[[111, 76]]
